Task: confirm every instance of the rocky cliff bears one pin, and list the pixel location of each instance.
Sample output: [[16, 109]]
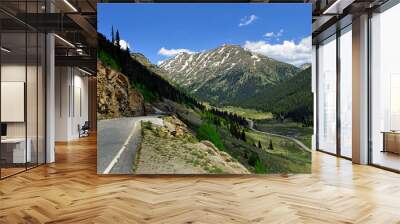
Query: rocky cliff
[[115, 96]]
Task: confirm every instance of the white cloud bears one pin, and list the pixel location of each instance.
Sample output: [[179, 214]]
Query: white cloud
[[160, 62], [172, 52], [270, 34], [124, 45], [273, 34], [287, 51], [247, 20]]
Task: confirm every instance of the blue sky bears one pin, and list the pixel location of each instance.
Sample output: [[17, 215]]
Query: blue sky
[[159, 31]]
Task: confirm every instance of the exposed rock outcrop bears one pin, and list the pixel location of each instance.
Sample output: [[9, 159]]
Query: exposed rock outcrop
[[115, 96]]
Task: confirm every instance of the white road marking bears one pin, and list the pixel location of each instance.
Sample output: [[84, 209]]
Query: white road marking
[[154, 120], [118, 155]]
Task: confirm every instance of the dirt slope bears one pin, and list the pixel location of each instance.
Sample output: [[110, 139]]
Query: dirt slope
[[172, 149]]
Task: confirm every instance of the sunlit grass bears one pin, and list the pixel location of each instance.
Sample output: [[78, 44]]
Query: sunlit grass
[[291, 129], [281, 146], [248, 113]]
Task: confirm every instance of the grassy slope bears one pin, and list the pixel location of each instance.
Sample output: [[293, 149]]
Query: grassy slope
[[107, 59], [208, 131], [292, 129], [274, 162], [283, 148], [248, 113]]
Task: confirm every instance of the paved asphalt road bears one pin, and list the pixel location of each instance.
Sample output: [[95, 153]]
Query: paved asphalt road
[[117, 140]]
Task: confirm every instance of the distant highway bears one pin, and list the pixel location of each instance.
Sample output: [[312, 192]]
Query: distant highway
[[299, 143]]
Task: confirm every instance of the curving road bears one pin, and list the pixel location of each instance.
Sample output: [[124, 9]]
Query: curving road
[[117, 141], [299, 143]]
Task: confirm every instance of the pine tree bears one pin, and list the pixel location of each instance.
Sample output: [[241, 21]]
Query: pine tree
[[112, 35], [243, 136], [270, 145], [117, 39], [234, 129], [259, 145]]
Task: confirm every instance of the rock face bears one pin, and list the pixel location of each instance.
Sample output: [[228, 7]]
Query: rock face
[[115, 96], [227, 75]]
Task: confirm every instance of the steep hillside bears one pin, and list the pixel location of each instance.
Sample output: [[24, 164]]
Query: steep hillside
[[115, 95], [140, 58], [147, 63], [228, 75]]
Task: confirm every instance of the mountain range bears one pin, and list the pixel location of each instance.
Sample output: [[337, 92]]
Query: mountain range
[[227, 75], [231, 75]]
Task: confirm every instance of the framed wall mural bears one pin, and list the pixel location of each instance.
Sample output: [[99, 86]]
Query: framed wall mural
[[204, 88]]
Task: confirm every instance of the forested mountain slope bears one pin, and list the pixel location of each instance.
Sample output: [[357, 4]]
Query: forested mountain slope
[[291, 98]]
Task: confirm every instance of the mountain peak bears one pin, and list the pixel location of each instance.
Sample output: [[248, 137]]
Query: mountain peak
[[305, 66], [230, 46], [228, 70]]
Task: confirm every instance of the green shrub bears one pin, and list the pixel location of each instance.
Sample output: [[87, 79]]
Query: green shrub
[[109, 60], [209, 132], [259, 167], [253, 158], [147, 125]]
